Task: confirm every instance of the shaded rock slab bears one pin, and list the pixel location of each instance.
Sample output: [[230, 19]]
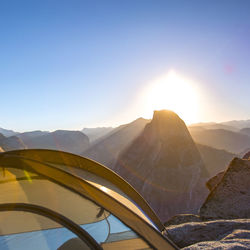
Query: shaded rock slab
[[238, 239], [221, 245], [191, 233], [182, 218], [231, 197]]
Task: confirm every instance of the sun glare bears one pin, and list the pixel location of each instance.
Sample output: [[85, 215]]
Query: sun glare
[[172, 92]]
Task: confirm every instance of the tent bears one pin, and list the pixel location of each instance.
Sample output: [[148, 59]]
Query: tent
[[56, 200]]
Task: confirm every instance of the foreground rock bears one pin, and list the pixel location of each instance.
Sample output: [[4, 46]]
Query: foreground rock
[[164, 165], [230, 198], [214, 181], [224, 244], [182, 218], [227, 232]]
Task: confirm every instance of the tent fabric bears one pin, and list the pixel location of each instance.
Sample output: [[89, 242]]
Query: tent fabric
[[45, 193], [106, 187], [40, 180], [78, 162]]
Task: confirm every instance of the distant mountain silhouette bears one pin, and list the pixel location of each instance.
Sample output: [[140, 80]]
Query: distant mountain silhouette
[[107, 149], [234, 125], [165, 166], [11, 143], [234, 142], [69, 141], [27, 137], [215, 160], [212, 125], [96, 133], [7, 132], [239, 124]]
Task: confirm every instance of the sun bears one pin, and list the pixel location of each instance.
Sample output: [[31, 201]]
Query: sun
[[172, 92]]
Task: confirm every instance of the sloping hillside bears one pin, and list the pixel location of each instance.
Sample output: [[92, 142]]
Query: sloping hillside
[[96, 133], [106, 149]]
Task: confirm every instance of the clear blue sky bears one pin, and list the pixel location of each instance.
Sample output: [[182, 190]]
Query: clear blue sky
[[74, 64]]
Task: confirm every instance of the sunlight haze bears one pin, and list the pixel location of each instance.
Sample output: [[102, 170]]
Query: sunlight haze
[[172, 92]]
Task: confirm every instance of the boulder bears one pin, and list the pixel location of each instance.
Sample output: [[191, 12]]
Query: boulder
[[230, 198]]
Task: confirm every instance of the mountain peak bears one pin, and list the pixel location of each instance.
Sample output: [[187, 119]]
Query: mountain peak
[[165, 166], [167, 118], [166, 123], [165, 114]]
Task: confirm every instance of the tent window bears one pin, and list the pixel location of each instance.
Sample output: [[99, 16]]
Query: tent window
[[57, 238]]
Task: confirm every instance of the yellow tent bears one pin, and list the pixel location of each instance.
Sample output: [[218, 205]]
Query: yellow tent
[[56, 200]]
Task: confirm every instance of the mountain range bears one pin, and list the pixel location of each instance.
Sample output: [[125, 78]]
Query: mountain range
[[234, 142], [217, 143], [166, 161], [69, 141]]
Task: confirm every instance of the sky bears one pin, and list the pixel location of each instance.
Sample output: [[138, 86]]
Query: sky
[[76, 63]]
